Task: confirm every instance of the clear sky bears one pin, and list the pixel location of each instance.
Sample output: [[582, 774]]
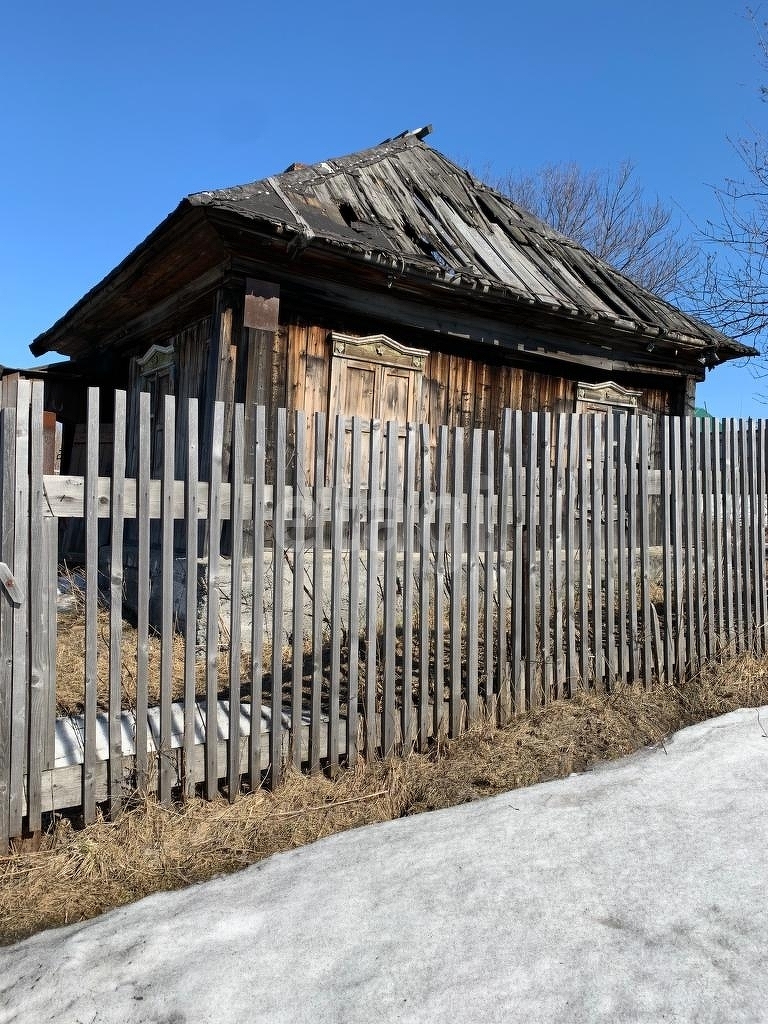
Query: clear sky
[[111, 113]]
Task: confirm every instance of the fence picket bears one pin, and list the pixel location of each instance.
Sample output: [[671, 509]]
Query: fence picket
[[632, 545], [40, 585], [410, 505], [440, 517], [7, 508], [372, 567], [116, 582], [456, 581], [189, 775], [426, 514], [545, 558], [142, 600], [488, 575], [754, 534], [388, 719], [698, 562], [237, 473], [473, 576], [355, 504], [504, 684], [165, 752], [583, 555], [762, 472], [299, 541], [278, 549], [718, 530], [560, 598], [337, 555], [543, 618], [91, 605], [212, 591], [708, 500], [571, 586], [643, 505], [512, 478], [597, 554], [257, 603], [612, 505]]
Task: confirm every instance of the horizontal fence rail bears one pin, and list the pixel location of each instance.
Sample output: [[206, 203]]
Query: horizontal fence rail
[[312, 603]]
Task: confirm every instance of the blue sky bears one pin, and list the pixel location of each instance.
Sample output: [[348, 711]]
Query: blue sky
[[111, 113]]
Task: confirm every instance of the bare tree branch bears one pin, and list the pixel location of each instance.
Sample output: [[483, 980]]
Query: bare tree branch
[[607, 212]]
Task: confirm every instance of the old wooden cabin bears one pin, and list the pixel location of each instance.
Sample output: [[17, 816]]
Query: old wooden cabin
[[390, 283]]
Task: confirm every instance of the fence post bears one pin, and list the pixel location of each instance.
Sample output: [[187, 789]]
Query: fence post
[[7, 508]]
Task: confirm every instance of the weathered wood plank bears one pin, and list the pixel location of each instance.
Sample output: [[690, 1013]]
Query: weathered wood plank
[[457, 609], [426, 513], [237, 475], [678, 492], [645, 557], [584, 586], [624, 502], [611, 553], [337, 555], [667, 543], [355, 511], [560, 597], [688, 625], [473, 576], [91, 604], [729, 516], [40, 585], [532, 484], [212, 591], [7, 608], [630, 426], [545, 557], [506, 682], [318, 511], [278, 552], [372, 571], [191, 474], [142, 600], [255, 759], [439, 582], [718, 524], [707, 562], [166, 599], [486, 510], [754, 520], [762, 476], [737, 519], [410, 507], [699, 552], [388, 711], [571, 584], [116, 585], [299, 542], [597, 554]]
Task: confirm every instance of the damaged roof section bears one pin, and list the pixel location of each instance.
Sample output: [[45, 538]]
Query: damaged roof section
[[404, 204]]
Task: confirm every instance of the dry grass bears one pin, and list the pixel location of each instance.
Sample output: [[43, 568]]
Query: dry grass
[[70, 664], [78, 874]]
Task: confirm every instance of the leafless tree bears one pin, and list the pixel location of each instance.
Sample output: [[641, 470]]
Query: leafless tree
[[735, 292], [607, 212]]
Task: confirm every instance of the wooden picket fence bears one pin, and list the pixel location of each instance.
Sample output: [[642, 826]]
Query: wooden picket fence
[[394, 586]]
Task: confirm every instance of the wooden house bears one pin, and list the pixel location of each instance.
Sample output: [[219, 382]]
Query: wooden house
[[390, 283]]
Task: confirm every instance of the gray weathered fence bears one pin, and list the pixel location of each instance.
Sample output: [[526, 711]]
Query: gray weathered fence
[[364, 603]]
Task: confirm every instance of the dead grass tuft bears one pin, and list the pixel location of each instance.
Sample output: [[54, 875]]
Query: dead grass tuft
[[78, 874]]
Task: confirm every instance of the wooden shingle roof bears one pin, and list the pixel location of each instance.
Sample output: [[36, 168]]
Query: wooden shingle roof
[[420, 223], [404, 204]]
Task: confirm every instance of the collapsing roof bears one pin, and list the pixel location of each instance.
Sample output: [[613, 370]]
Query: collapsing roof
[[404, 207]]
